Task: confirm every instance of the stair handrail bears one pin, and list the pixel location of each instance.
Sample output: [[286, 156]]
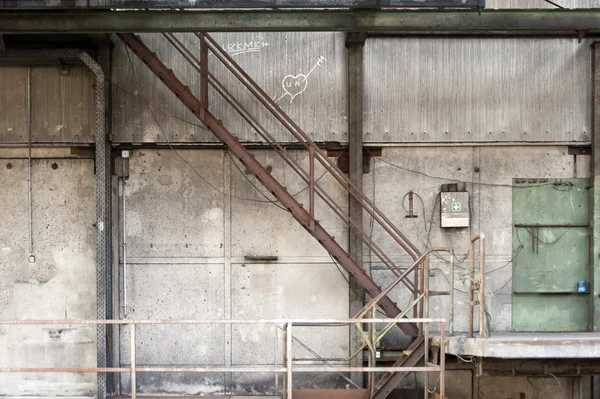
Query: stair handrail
[[304, 139], [215, 83]]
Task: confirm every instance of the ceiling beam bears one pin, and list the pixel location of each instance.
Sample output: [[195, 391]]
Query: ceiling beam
[[404, 22], [199, 4]]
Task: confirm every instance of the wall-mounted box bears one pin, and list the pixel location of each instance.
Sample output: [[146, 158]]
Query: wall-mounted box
[[455, 209]]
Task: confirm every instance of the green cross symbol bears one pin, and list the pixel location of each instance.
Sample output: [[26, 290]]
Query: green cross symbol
[[456, 206]]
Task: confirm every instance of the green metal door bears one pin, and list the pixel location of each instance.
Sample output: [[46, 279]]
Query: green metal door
[[551, 244]]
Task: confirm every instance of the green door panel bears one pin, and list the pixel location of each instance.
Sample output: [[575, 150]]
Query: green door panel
[[558, 261], [551, 202], [551, 246], [550, 313]]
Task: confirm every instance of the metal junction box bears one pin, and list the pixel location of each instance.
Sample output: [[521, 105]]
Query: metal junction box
[[455, 209]]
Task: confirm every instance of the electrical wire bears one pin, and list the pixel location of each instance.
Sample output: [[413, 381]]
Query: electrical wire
[[463, 181]]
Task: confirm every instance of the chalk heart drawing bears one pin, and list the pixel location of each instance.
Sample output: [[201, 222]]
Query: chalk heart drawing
[[294, 85]]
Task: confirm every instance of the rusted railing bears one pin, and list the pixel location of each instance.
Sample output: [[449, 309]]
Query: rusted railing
[[287, 369], [477, 285], [315, 154]]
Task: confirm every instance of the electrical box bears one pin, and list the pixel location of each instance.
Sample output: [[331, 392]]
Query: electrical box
[[455, 209]]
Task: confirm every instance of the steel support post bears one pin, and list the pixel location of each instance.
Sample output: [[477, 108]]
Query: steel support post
[[594, 320], [595, 202], [355, 44]]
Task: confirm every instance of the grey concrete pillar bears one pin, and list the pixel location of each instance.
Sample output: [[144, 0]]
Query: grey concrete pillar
[[354, 43]]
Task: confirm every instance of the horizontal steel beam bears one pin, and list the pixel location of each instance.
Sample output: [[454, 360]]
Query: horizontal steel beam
[[407, 22], [197, 4]]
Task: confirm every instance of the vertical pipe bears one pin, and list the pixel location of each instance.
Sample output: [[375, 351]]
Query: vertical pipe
[[372, 354], [442, 360], [288, 344], [133, 366], [29, 182], [471, 286], [123, 206], [482, 332], [102, 220]]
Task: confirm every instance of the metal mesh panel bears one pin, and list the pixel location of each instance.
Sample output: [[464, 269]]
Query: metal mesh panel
[[101, 215]]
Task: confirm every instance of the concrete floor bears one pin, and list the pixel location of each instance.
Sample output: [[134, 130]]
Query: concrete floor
[[527, 345]]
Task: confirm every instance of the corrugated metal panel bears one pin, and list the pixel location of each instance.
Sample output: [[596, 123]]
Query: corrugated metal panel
[[491, 4], [311, 64], [62, 105], [13, 104], [144, 110], [437, 90]]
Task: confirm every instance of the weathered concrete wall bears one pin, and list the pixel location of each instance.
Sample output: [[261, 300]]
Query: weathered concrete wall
[[189, 226], [60, 284]]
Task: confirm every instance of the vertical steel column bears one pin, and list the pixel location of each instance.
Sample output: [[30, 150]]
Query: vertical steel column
[[594, 320], [595, 214], [355, 43]]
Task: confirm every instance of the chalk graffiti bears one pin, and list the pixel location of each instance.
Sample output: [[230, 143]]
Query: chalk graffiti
[[254, 45], [294, 85]]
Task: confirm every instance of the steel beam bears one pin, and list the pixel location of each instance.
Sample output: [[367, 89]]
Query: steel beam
[[198, 4], [407, 22]]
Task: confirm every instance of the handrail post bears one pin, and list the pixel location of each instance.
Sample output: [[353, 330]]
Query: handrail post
[[471, 286], [372, 354], [133, 366], [426, 286], [422, 292], [311, 188], [451, 295], [442, 359], [288, 360], [482, 331]]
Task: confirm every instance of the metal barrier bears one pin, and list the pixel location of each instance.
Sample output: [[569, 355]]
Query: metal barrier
[[477, 286], [287, 369]]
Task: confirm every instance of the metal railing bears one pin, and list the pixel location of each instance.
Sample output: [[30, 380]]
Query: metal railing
[[477, 285], [316, 155], [287, 369]]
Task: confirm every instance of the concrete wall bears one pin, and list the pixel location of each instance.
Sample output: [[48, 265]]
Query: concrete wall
[[191, 218], [60, 284]]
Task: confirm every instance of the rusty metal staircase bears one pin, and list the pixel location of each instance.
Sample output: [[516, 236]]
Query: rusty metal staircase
[[199, 106]]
